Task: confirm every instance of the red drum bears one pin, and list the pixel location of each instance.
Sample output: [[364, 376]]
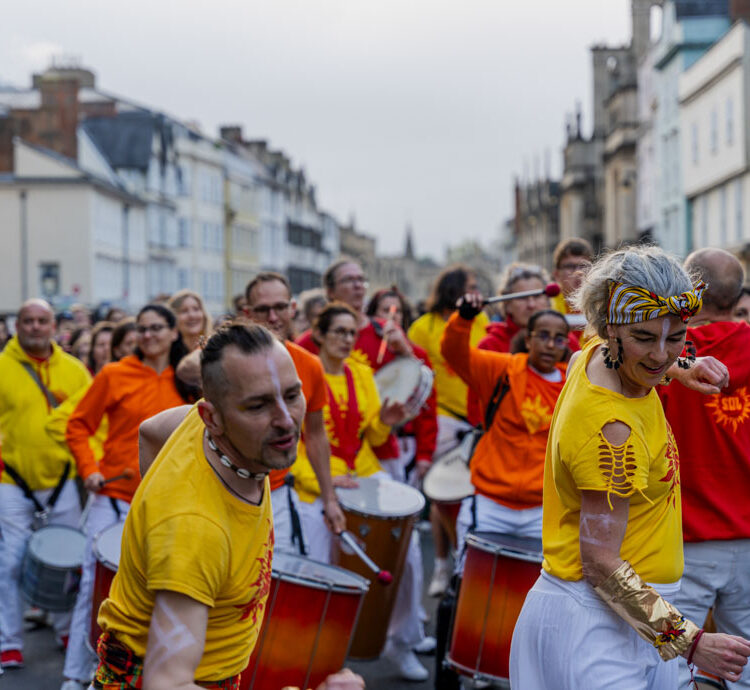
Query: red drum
[[499, 572], [309, 622], [107, 553]]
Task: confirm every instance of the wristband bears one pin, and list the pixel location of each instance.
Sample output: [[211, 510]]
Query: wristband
[[647, 612]]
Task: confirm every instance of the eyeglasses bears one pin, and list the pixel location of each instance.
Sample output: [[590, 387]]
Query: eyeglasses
[[545, 337], [572, 268], [153, 328], [265, 309], [353, 280], [342, 333]]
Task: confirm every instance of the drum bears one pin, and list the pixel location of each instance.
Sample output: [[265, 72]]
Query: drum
[[310, 617], [107, 553], [448, 482], [405, 380], [499, 572], [51, 568], [381, 514]]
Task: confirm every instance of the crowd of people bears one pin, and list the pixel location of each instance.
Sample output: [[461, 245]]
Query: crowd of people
[[218, 442]]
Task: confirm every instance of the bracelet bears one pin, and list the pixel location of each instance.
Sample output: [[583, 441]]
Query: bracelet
[[694, 646]]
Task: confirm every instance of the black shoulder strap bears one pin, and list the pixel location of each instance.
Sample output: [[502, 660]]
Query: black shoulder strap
[[501, 389], [21, 483], [51, 399]]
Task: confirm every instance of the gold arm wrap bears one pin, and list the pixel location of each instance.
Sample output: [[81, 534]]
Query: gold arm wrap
[[647, 612]]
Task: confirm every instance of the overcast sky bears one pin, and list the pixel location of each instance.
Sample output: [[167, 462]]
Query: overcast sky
[[418, 111]]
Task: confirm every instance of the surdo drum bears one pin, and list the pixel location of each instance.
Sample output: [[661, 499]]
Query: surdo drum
[[51, 568], [310, 615], [381, 514], [107, 553], [499, 572], [405, 380]]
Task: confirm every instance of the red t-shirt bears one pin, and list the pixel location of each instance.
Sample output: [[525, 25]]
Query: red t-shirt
[[713, 438]]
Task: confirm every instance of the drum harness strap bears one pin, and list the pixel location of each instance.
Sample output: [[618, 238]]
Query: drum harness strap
[[498, 393], [294, 515], [41, 512]]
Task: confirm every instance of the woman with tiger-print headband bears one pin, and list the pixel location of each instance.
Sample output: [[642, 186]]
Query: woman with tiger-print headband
[[599, 616]]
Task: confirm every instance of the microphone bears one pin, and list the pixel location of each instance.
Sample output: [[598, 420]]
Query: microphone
[[551, 290]]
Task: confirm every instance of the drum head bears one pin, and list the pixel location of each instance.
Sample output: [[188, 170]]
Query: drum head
[[58, 546], [294, 568], [398, 379], [107, 545], [521, 548], [381, 498], [449, 478]]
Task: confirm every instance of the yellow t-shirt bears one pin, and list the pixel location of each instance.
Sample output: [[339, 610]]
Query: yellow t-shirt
[[371, 430], [187, 533], [578, 458], [427, 332]]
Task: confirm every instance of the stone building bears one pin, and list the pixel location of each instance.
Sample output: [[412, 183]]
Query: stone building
[[537, 221]]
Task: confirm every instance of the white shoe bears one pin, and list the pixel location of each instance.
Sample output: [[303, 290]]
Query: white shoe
[[425, 646], [406, 662], [71, 684], [441, 578]]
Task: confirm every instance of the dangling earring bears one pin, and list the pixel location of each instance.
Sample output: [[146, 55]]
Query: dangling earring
[[608, 361], [689, 359]]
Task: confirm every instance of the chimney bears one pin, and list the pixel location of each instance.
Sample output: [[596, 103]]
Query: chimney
[[231, 133], [739, 9], [56, 128]]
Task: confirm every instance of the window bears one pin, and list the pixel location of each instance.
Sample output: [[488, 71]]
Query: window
[[183, 278], [704, 221], [183, 232], [714, 131], [738, 210], [730, 121], [694, 143], [723, 216]]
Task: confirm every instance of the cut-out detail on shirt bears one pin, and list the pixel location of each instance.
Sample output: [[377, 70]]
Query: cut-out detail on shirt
[[617, 465]]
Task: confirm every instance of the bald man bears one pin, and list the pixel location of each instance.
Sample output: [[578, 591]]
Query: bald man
[[713, 437], [36, 480]]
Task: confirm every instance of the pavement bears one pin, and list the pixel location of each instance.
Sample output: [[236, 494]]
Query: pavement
[[44, 661]]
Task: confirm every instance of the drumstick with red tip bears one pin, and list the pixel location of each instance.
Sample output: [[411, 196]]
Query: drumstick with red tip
[[551, 290], [383, 343], [384, 577]]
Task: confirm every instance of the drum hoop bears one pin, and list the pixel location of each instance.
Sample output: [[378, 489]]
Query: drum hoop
[[475, 673], [500, 550], [361, 587], [30, 554], [97, 553]]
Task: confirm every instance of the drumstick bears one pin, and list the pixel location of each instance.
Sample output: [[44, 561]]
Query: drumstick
[[127, 474], [384, 577], [383, 343]]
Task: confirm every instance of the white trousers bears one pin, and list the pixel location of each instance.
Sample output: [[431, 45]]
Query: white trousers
[[283, 532], [717, 573], [16, 515], [80, 661], [449, 430], [567, 638], [492, 516], [405, 628]]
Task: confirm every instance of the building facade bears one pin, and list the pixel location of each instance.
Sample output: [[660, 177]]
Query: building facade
[[715, 121]]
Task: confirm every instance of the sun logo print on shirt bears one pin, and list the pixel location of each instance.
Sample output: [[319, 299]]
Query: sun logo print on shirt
[[536, 414], [672, 460], [730, 411], [260, 587]]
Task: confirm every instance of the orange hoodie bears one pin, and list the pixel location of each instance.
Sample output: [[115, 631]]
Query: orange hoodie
[[508, 463], [128, 392]]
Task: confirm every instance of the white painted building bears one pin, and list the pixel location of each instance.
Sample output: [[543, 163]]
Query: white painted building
[[715, 123], [69, 234]]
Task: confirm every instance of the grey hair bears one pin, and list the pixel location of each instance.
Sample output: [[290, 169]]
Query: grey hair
[[520, 271], [646, 267]]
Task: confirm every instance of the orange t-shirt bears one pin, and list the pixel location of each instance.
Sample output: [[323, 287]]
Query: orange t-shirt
[[508, 462], [310, 371], [128, 392]]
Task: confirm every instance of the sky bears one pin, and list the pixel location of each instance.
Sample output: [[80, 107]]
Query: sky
[[417, 112]]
